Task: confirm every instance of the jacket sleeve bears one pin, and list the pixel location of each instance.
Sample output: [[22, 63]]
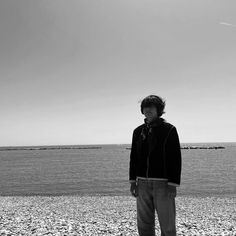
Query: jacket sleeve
[[173, 158], [132, 163]]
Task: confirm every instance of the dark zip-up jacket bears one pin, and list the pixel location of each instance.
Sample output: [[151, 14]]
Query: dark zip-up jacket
[[157, 154]]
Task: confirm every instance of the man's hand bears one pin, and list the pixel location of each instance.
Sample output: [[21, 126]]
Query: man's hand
[[134, 189], [171, 191]]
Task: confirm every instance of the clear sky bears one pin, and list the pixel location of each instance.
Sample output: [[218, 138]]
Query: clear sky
[[74, 71]]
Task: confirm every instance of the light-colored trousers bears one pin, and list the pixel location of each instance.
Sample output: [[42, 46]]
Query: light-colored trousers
[[152, 195]]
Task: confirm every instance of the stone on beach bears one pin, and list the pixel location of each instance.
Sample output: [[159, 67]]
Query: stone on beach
[[110, 215]]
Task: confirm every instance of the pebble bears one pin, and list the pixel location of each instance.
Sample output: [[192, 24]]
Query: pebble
[[110, 215]]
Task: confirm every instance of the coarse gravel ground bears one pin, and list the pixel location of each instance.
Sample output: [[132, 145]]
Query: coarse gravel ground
[[109, 215]]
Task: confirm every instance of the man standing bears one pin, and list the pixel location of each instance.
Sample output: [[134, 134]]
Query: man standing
[[155, 169]]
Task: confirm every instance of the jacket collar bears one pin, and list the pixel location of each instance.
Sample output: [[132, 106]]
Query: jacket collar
[[148, 127], [154, 123]]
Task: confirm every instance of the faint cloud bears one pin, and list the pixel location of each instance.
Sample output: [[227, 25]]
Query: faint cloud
[[227, 24]]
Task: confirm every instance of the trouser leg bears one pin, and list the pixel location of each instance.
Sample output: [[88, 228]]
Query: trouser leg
[[145, 210], [166, 209]]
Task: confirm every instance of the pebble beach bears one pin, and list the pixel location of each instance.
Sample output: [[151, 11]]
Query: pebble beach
[[109, 215]]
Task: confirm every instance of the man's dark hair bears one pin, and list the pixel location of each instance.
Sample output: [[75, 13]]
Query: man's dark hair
[[153, 100]]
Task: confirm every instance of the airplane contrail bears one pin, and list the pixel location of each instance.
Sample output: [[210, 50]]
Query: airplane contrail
[[227, 24]]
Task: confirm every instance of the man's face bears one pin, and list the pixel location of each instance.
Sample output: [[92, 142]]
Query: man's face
[[150, 113]]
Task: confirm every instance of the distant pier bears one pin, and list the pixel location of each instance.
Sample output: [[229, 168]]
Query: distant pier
[[46, 148], [203, 147], [197, 147]]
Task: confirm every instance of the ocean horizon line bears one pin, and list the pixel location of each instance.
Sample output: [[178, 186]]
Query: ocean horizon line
[[106, 144]]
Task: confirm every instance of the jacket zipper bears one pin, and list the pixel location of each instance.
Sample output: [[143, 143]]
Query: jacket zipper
[[148, 157], [147, 165]]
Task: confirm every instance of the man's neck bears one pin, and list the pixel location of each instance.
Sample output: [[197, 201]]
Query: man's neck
[[153, 120]]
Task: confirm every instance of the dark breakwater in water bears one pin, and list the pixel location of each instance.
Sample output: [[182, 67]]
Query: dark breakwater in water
[[195, 147], [48, 148], [104, 171]]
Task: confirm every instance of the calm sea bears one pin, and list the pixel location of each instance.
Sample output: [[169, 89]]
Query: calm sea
[[105, 171]]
